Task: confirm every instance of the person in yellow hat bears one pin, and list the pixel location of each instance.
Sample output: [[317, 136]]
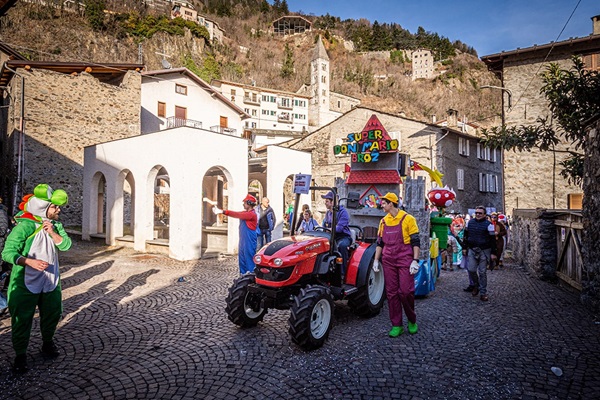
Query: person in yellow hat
[[32, 248], [398, 247]]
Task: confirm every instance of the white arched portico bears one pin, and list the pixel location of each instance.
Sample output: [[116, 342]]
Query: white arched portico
[[186, 154], [281, 163]]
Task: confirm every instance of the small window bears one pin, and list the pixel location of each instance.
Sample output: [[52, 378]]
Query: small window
[[460, 179], [162, 109], [181, 89], [463, 146]]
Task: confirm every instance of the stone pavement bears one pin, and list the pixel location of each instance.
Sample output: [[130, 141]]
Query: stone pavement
[[131, 330]]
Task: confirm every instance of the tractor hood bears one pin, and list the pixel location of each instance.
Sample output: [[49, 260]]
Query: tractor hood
[[293, 249]]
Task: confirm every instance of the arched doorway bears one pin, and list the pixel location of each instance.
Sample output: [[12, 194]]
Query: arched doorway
[[128, 204], [98, 220], [288, 202], [214, 227], [255, 188], [162, 205]]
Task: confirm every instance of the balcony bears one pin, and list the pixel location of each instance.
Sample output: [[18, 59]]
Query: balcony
[[174, 122], [224, 129], [254, 101], [285, 103], [285, 118]]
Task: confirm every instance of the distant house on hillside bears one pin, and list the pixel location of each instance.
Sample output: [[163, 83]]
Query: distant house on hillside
[[290, 25], [185, 10], [422, 64], [532, 178], [66, 107], [214, 30]]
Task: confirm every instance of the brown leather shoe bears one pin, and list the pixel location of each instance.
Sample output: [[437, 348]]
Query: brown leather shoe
[[475, 291], [484, 297]]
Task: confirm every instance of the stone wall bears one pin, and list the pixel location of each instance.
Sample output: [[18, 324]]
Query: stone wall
[[65, 113], [533, 241], [532, 179]]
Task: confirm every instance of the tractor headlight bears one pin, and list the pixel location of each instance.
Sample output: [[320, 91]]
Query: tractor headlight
[[257, 259], [278, 262]]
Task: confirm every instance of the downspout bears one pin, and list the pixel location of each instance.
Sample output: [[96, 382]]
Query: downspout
[[21, 145]]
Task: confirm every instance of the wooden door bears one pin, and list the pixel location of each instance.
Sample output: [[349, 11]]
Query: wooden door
[[223, 122]]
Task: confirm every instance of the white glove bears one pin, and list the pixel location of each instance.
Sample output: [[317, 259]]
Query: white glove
[[375, 265], [217, 210], [414, 267]]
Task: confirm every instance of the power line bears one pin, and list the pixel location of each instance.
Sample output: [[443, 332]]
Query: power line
[[547, 55]]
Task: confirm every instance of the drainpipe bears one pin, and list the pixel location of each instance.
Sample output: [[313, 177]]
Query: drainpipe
[[21, 145]]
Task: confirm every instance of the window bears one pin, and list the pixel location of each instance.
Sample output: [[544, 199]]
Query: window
[[483, 182], [339, 104], [460, 179], [286, 102], [324, 67], [483, 152], [493, 183], [233, 95], [324, 92], [492, 155], [254, 113], [181, 89], [162, 109], [323, 79], [463, 146]]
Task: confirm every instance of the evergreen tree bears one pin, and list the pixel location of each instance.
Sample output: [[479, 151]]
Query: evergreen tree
[[94, 11], [287, 69], [284, 7]]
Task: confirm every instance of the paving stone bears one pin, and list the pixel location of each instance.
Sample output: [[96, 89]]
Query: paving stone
[[130, 330]]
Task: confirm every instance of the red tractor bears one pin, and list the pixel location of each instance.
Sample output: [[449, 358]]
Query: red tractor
[[304, 273]]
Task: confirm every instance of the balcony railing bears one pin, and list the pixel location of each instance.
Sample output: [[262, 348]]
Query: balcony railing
[[285, 117], [174, 122], [224, 129], [249, 100], [285, 104]]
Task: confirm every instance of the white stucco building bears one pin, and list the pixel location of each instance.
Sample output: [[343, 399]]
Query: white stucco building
[[177, 97], [422, 64]]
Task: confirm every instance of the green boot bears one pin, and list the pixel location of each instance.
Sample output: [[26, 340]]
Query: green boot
[[412, 328], [396, 331]]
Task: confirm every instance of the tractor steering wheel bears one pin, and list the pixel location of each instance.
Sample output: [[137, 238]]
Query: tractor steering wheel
[[322, 229]]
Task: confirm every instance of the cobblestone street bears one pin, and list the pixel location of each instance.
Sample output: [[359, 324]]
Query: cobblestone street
[[132, 330]]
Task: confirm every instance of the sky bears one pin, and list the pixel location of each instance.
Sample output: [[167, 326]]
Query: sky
[[488, 26]]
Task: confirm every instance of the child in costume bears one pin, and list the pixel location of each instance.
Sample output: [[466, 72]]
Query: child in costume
[[32, 248]]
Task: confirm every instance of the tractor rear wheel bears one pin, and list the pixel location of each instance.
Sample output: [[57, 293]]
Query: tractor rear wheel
[[244, 308], [311, 317], [368, 301]]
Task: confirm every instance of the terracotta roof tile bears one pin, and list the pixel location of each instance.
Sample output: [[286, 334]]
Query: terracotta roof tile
[[375, 176]]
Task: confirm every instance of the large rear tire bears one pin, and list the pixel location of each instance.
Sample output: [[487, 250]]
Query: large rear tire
[[311, 317], [368, 301], [243, 308]]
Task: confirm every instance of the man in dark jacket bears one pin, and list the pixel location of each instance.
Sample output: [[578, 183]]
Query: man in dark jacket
[[266, 222], [480, 241]]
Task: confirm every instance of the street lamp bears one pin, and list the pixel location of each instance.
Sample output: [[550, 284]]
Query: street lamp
[[504, 90]]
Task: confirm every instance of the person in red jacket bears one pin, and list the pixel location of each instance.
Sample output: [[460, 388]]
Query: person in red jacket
[[248, 234]]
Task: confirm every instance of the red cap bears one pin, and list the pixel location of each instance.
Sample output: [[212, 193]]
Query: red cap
[[250, 199]]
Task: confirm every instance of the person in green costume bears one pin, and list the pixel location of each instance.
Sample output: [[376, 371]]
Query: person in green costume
[[35, 281]]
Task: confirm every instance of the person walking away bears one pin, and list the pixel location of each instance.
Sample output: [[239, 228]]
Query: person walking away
[[398, 247], [266, 222], [501, 234], [308, 223], [343, 236], [31, 247], [480, 247], [248, 236]]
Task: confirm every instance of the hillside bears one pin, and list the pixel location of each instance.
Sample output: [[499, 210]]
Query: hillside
[[249, 55]]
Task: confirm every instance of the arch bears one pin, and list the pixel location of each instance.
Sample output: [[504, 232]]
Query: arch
[[256, 188], [98, 205], [288, 200], [215, 185], [126, 191], [158, 185]]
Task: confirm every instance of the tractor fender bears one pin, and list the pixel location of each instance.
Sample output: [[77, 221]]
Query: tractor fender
[[324, 262], [363, 265]]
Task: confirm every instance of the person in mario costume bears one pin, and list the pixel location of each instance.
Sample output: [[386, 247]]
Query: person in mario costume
[[248, 233], [32, 247]]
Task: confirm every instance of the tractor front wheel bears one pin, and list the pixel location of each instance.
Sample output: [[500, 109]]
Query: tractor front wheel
[[244, 308], [311, 317]]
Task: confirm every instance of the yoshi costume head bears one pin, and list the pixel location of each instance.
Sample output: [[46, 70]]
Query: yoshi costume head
[[42, 198]]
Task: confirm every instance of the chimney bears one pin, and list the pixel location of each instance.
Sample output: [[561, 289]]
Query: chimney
[[596, 25], [452, 118], [433, 119]]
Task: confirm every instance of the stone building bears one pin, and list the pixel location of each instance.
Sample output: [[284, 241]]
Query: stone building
[[51, 111], [532, 179], [422, 64], [472, 170]]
